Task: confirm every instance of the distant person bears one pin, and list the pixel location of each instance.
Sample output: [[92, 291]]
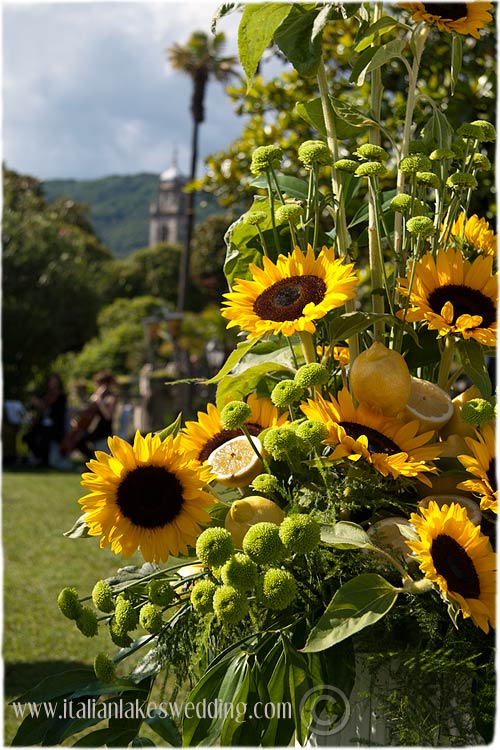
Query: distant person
[[48, 424], [90, 431]]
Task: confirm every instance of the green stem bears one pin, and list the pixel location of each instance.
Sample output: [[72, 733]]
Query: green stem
[[446, 362], [307, 343]]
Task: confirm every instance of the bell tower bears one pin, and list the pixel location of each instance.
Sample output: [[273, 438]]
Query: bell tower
[[167, 213]]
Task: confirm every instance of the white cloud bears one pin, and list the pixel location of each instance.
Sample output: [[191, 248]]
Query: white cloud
[[87, 89]]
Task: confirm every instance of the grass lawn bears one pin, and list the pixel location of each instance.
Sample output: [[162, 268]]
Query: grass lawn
[[38, 562]]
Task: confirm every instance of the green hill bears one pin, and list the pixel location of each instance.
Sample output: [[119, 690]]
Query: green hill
[[118, 207]]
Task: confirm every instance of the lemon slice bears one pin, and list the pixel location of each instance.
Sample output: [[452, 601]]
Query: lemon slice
[[428, 403], [235, 463]]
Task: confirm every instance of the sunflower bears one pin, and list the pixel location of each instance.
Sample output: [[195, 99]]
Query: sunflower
[[389, 445], [148, 496], [477, 233], [461, 18], [481, 464], [455, 555], [454, 295], [206, 434], [289, 295]]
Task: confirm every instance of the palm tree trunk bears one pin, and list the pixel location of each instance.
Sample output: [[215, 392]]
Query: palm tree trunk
[[190, 218]]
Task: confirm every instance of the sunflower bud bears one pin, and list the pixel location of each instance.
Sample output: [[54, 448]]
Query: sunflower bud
[[279, 589], [265, 157], [202, 597], [214, 546], [289, 212], [150, 618], [312, 432], [266, 484], [428, 178], [370, 169], [346, 165], [372, 152], [285, 393], [312, 374], [254, 218], [262, 543], [104, 668], [461, 180], [234, 415], [314, 152], [300, 534], [69, 604], [87, 622], [420, 225], [125, 615], [230, 605], [160, 593], [479, 129], [476, 411], [102, 596], [415, 163], [240, 571]]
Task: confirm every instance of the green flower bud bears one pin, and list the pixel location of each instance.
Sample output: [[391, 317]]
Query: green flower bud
[[370, 169], [217, 572], [481, 129], [428, 178], [87, 622], [311, 375], [476, 411], [214, 546], [126, 616], [346, 165], [102, 596], [415, 163], [461, 180], [234, 415], [289, 212], [241, 572], [104, 668], [68, 603], [262, 543], [300, 534], [314, 152], [441, 154], [480, 162], [419, 147], [281, 442], [420, 225], [202, 596], [312, 432], [459, 147], [230, 605], [285, 393], [150, 618], [266, 484], [372, 152], [160, 593], [279, 589], [118, 635], [265, 157], [401, 203], [254, 218]]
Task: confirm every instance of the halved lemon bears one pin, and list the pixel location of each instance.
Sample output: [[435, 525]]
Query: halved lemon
[[428, 403], [235, 463]]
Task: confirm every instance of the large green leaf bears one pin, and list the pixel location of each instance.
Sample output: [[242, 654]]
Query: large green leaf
[[164, 727], [233, 359], [357, 604], [312, 112], [382, 26], [473, 361], [237, 387], [256, 30], [372, 60], [345, 535], [295, 39], [292, 186]]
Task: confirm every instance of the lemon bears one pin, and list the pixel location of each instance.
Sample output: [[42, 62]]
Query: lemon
[[235, 463], [249, 511], [428, 403], [456, 425], [380, 378], [473, 510]]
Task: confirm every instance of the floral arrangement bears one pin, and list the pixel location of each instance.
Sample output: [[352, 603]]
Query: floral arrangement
[[335, 508]]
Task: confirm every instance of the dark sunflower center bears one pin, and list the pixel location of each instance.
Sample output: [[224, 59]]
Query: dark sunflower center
[[465, 301], [150, 496], [286, 299], [452, 11], [223, 436], [377, 442], [454, 564], [492, 475]]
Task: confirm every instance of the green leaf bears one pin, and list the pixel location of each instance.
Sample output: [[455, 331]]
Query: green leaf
[[312, 112], [63, 683], [359, 70], [295, 39], [164, 727], [173, 428], [473, 362], [142, 742], [345, 535], [116, 737], [234, 387], [348, 324], [357, 604], [233, 359], [437, 130], [292, 186], [456, 60], [383, 25], [256, 30], [79, 530], [299, 683]]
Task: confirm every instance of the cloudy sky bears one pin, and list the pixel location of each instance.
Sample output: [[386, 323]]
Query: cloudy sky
[[88, 92]]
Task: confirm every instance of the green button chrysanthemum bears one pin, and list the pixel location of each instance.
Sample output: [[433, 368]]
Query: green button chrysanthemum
[[314, 152], [371, 152], [262, 543], [415, 163], [234, 415], [370, 169], [214, 546], [346, 165], [86, 622], [104, 668], [285, 393], [102, 597], [461, 180], [265, 157], [69, 603], [421, 225]]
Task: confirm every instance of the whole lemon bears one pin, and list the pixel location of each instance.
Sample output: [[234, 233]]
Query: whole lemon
[[247, 512], [381, 379]]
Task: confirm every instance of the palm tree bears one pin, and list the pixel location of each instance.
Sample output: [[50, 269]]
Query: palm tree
[[200, 59]]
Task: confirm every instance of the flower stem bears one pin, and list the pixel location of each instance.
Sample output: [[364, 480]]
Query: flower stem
[[446, 362], [307, 343]]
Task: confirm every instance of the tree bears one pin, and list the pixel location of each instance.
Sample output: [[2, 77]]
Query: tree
[[200, 59], [208, 255]]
